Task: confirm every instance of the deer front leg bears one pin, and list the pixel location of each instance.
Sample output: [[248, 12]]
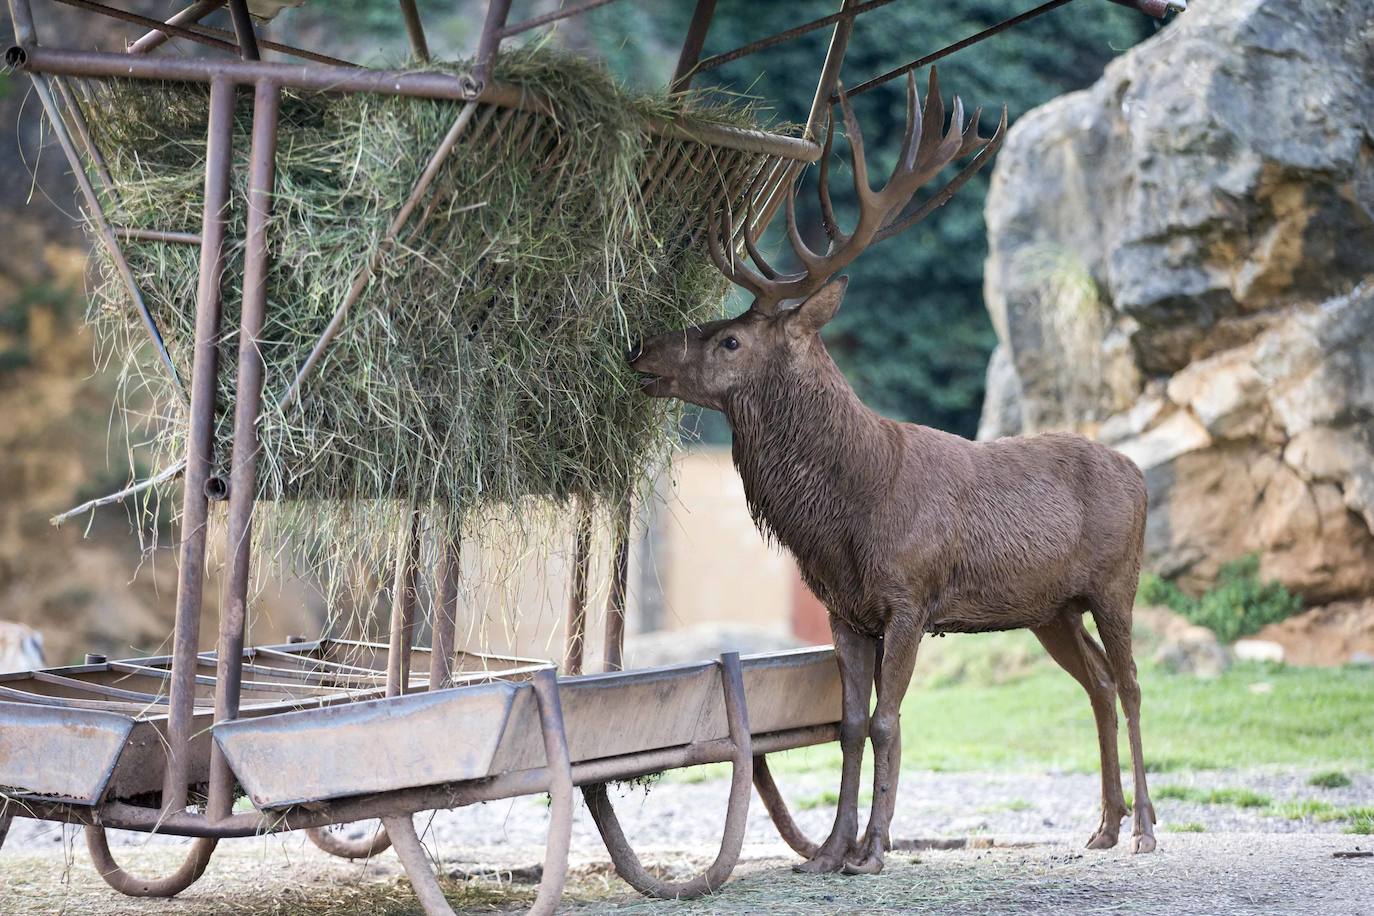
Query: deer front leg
[[899, 659], [856, 655]]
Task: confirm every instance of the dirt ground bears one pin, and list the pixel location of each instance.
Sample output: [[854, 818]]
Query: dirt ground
[[1231, 874], [1022, 855]]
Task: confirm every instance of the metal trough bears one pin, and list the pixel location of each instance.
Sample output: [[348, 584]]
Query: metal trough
[[484, 730]]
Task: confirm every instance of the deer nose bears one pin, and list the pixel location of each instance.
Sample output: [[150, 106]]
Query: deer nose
[[635, 352]]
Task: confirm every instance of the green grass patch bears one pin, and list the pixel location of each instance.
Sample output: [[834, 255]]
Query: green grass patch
[[1330, 779], [1186, 827], [1361, 820], [1308, 809]]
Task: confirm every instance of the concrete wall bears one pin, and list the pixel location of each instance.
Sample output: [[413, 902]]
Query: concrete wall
[[697, 561]]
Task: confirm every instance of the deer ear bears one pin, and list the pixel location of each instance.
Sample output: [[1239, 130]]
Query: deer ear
[[815, 311]]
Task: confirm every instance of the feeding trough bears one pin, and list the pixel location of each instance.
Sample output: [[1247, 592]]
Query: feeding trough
[[351, 350]]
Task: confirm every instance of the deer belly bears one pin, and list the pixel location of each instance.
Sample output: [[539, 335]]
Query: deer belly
[[974, 619]]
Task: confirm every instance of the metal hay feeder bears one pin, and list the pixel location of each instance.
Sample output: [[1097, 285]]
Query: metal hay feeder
[[135, 744]]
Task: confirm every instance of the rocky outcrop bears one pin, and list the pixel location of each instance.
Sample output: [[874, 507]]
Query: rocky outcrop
[[1182, 265]]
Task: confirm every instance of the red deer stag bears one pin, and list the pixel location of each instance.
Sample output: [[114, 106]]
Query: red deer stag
[[901, 529]]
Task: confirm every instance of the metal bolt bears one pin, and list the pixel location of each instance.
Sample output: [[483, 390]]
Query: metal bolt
[[93, 658]]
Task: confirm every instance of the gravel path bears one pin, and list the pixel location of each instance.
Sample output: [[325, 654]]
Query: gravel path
[[675, 814]]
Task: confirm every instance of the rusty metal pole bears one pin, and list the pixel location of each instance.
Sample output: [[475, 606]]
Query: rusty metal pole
[[627, 864], [577, 599], [199, 445], [243, 30], [415, 30], [692, 45], [189, 16], [615, 601], [445, 614], [497, 11], [403, 599], [820, 104], [243, 477]]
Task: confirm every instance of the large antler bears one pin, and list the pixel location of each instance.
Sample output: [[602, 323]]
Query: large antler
[[923, 155]]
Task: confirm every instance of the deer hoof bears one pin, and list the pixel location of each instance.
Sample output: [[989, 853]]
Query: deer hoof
[[1143, 843], [871, 865], [1102, 840], [820, 865]]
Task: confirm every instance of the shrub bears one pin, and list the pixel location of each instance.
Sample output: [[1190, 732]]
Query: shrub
[[1237, 605]]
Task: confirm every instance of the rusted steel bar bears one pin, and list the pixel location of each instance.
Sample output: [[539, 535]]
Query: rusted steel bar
[[83, 131], [555, 872], [150, 23], [490, 40], [247, 405], [403, 599], [577, 598], [156, 235], [558, 766], [189, 16], [627, 864], [22, 14], [190, 871], [360, 283], [120, 816], [244, 32], [844, 15], [536, 21], [102, 690], [445, 615], [397, 677], [331, 78], [615, 600], [820, 106], [777, 810], [944, 52], [830, 70], [199, 444], [102, 226], [692, 45], [415, 30]]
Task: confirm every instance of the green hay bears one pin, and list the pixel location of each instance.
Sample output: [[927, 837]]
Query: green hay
[[483, 370]]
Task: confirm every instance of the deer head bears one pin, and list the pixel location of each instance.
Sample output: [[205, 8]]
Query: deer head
[[705, 365]]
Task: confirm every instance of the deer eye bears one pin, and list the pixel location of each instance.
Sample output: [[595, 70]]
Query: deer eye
[[730, 343]]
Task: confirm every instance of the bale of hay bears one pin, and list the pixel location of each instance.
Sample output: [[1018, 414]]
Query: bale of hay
[[484, 365]]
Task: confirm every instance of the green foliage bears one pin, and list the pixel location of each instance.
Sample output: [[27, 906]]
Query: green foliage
[[1330, 779], [1187, 827], [1238, 605]]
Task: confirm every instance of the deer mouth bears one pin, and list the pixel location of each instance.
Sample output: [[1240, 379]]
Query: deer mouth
[[655, 386]]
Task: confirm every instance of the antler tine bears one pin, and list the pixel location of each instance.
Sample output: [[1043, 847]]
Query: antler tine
[[832, 228], [862, 190], [813, 262], [915, 126], [971, 139], [941, 197], [721, 247], [933, 116], [751, 243], [946, 151]]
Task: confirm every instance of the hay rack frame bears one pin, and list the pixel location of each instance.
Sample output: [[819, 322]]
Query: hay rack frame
[[168, 743]]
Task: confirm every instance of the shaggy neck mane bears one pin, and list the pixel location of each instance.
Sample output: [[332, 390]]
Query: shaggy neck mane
[[813, 459]]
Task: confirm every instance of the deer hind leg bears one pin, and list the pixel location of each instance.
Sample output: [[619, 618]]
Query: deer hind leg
[[856, 654], [1113, 616], [898, 662], [1069, 644]]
